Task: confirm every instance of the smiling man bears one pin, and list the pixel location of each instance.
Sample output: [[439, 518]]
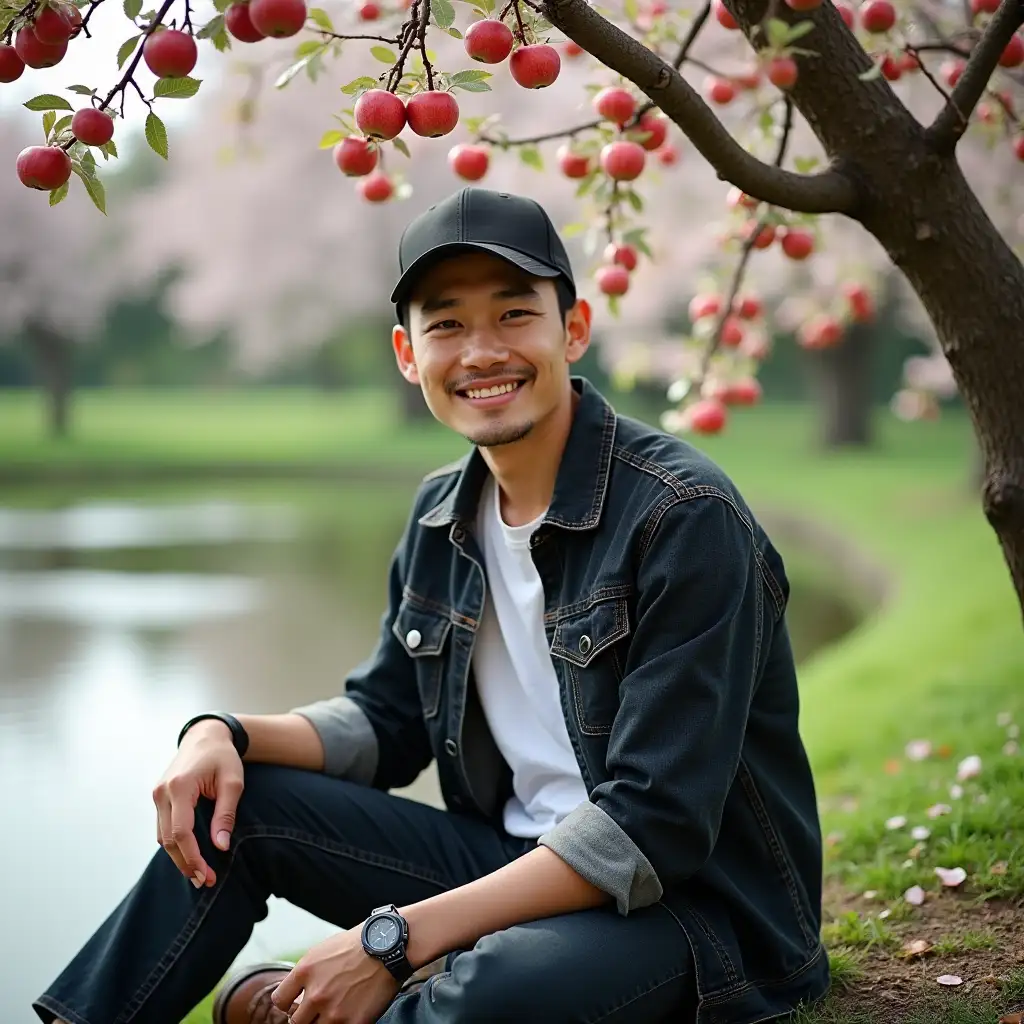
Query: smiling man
[[586, 632]]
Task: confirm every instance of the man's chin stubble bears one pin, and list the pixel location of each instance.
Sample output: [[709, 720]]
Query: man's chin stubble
[[499, 436]]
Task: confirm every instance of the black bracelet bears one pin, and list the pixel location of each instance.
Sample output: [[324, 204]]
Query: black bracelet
[[239, 737]]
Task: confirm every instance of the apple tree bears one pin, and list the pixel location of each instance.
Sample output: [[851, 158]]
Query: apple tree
[[883, 166]]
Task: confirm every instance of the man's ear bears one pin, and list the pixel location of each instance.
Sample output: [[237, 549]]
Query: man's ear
[[577, 330], [402, 344]]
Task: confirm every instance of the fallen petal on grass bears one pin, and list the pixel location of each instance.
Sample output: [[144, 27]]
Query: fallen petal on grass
[[949, 979], [1004, 718], [870, 894], [918, 947], [1013, 732], [969, 768], [1010, 748], [956, 791], [898, 821], [914, 895], [918, 750], [952, 877], [920, 832], [937, 810]]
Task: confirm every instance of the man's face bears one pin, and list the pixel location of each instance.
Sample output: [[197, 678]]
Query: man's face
[[489, 347]]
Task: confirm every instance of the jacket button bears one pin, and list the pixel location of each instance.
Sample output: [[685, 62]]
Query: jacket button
[[413, 638], [584, 644], [451, 747]]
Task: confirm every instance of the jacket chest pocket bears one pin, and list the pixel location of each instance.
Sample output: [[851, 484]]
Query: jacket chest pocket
[[591, 645], [422, 632]]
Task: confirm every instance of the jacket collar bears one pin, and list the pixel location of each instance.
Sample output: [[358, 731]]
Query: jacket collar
[[580, 485]]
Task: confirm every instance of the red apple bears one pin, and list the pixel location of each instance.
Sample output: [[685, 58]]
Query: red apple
[[984, 6], [379, 113], [612, 280], [845, 12], [43, 167], [763, 237], [488, 41], [804, 5], [707, 416], [748, 80], [656, 127], [622, 254], [862, 307], [891, 69], [746, 391], [170, 53], [53, 26], [469, 161], [797, 244], [239, 24], [535, 66], [623, 160], [668, 155], [432, 113], [737, 198], [719, 90], [724, 18], [376, 187], [951, 71], [356, 156], [732, 332], [782, 72], [92, 127], [11, 65], [748, 307], [1018, 147], [35, 53], [615, 104], [877, 16], [571, 164], [572, 48], [278, 18], [1013, 55], [822, 331], [702, 306], [369, 11]]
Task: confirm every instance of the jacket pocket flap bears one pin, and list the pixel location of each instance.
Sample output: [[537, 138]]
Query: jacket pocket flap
[[420, 630], [580, 637]]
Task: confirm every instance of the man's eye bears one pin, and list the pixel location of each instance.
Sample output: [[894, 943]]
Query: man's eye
[[444, 325], [520, 313]]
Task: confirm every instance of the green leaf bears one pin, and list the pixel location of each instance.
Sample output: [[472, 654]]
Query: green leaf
[[872, 73], [49, 119], [94, 187], [799, 30], [81, 90], [778, 31], [47, 101], [572, 230], [309, 47], [88, 161], [384, 54], [127, 49], [132, 9], [453, 32], [109, 149], [402, 148], [62, 124], [290, 72], [211, 28], [156, 135], [473, 87], [530, 155], [58, 195], [631, 10], [805, 164], [363, 82], [177, 88], [220, 39], [465, 77], [321, 19], [330, 138], [442, 13], [220, 6], [635, 201], [613, 305]]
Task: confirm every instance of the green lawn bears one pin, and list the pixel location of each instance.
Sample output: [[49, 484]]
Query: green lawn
[[942, 660]]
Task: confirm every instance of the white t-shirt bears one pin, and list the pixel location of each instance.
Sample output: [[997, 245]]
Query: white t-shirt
[[516, 679]]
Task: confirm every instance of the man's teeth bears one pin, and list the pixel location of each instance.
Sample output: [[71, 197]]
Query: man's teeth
[[498, 389]]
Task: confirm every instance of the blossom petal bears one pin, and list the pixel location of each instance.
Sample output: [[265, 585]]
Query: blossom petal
[[914, 895], [969, 768], [952, 877], [898, 821], [920, 832], [918, 750], [949, 979]]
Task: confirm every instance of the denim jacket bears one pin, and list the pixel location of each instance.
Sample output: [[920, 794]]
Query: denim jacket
[[664, 611]]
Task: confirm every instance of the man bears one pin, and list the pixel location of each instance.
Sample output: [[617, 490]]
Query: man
[[586, 631]]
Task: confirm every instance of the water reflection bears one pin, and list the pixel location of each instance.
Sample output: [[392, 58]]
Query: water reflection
[[118, 621]]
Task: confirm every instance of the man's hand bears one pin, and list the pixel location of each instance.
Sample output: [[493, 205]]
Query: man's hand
[[206, 764], [339, 984]]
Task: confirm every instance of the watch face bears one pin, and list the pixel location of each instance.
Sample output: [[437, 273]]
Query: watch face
[[382, 933]]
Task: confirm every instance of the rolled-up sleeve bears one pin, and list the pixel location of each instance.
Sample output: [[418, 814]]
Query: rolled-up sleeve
[[684, 700]]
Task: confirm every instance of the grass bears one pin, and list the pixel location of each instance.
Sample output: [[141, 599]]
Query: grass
[[941, 660]]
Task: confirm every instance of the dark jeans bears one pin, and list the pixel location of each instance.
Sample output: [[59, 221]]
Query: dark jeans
[[338, 850]]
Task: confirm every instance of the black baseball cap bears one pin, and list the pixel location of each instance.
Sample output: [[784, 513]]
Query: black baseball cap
[[513, 227]]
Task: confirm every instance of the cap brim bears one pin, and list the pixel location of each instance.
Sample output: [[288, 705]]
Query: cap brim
[[423, 263]]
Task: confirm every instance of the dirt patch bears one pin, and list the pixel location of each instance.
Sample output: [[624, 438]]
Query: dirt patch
[[982, 943]]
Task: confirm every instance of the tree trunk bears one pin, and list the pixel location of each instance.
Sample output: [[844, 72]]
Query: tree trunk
[[842, 379], [52, 353]]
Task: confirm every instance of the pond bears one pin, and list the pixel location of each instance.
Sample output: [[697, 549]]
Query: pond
[[121, 615]]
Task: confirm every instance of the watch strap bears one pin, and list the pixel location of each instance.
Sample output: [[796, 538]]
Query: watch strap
[[239, 737]]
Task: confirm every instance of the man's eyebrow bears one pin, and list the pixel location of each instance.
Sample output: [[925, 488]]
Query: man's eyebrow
[[436, 303]]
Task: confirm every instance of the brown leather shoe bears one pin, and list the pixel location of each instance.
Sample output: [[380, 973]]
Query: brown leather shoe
[[244, 998]]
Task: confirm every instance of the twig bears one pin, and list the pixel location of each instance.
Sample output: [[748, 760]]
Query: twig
[[25, 12], [532, 140], [393, 40], [691, 36], [519, 21], [706, 67], [87, 16], [914, 52], [409, 31], [424, 20], [187, 20], [960, 51]]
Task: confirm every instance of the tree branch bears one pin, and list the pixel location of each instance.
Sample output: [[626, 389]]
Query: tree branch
[[826, 192], [951, 123]]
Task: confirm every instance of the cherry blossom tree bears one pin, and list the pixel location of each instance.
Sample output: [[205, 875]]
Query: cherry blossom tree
[[818, 73], [54, 291]]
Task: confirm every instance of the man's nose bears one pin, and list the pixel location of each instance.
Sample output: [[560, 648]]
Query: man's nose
[[483, 349]]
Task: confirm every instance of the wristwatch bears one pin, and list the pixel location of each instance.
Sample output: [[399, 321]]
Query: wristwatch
[[385, 934], [239, 737]]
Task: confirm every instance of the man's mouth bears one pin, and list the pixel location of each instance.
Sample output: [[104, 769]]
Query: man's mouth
[[494, 391]]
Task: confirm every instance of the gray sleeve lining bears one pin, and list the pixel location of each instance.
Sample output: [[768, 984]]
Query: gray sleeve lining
[[350, 744], [591, 842]]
